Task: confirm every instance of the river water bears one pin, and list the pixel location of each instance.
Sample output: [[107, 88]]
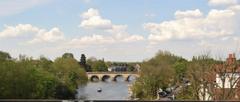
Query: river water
[[111, 90]]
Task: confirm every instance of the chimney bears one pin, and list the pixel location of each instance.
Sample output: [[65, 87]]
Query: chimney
[[231, 58]]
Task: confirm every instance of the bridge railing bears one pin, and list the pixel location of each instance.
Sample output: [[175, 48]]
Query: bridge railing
[[112, 72]]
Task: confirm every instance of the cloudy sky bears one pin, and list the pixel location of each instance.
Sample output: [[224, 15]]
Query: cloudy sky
[[119, 30]]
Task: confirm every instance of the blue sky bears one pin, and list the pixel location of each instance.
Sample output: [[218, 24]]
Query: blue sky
[[119, 30]]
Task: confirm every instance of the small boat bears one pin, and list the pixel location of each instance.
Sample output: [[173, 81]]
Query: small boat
[[99, 90]]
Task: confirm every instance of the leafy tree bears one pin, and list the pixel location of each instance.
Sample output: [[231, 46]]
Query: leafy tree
[[69, 72], [99, 66], [44, 63], [180, 67], [199, 70], [130, 68], [40, 79], [4, 56], [23, 80], [156, 73], [67, 55]]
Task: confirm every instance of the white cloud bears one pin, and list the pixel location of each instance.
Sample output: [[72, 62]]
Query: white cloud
[[53, 35], [133, 38], [40, 35], [19, 30], [193, 25], [10, 7], [96, 22], [90, 40], [116, 33], [90, 13], [117, 29], [188, 14], [93, 20], [222, 2], [100, 40]]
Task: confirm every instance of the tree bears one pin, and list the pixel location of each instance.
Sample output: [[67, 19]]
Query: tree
[[67, 55], [4, 56], [226, 85], [215, 80], [131, 68], [23, 80], [198, 73], [44, 63], [156, 73], [84, 64], [29, 78], [83, 60], [99, 66], [180, 67], [70, 74]]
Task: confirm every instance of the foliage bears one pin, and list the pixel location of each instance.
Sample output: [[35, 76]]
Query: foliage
[[70, 74], [156, 73], [84, 63], [83, 60], [69, 71], [67, 55], [199, 70], [203, 71], [23, 80], [39, 79], [98, 66], [4, 56]]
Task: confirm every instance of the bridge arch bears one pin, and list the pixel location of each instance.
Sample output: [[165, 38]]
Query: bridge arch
[[94, 78], [116, 76], [105, 77], [131, 76]]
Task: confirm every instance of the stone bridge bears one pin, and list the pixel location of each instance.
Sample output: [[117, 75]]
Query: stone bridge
[[103, 76]]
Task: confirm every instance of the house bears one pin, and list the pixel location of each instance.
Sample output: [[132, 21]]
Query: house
[[223, 81]]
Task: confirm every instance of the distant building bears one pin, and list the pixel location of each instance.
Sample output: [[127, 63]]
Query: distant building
[[123, 67], [118, 68]]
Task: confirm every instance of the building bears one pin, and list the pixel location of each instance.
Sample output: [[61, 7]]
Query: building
[[118, 68], [224, 80]]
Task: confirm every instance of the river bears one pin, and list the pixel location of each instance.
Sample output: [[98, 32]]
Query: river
[[111, 90]]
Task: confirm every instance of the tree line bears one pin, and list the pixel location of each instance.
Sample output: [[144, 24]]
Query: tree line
[[42, 78], [93, 64], [28, 78]]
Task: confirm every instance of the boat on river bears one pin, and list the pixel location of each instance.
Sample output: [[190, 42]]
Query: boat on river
[[99, 90]]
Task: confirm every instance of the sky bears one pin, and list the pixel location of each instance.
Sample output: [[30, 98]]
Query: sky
[[119, 30]]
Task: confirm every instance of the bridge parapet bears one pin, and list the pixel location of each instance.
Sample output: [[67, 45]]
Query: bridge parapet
[[112, 72]]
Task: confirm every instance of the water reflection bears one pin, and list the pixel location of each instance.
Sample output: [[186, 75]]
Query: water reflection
[[111, 90], [132, 78], [119, 78]]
